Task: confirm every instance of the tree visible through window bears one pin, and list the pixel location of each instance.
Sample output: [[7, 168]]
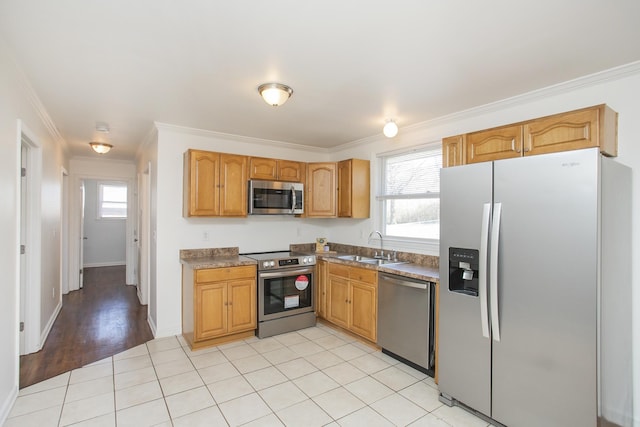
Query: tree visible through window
[[411, 194], [112, 200]]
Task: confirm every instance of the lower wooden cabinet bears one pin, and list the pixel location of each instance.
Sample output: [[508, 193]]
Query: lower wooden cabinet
[[322, 274], [352, 299], [219, 304]]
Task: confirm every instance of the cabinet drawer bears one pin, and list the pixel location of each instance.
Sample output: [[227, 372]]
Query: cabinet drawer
[[364, 275], [225, 273], [339, 270]]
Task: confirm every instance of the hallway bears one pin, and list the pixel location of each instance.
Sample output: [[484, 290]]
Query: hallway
[[98, 321]]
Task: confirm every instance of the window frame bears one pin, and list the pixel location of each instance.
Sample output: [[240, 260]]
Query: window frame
[[99, 200], [410, 243]]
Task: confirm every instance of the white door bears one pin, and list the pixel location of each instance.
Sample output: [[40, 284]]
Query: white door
[[143, 238], [23, 242], [82, 236]]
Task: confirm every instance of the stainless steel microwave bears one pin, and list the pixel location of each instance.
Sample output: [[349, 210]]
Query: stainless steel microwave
[[275, 198]]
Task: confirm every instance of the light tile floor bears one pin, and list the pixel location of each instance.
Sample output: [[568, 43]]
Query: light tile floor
[[313, 377]]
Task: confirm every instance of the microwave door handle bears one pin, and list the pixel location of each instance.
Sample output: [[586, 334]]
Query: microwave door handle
[[293, 199]]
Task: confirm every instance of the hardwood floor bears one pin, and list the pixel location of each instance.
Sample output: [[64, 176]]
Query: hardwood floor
[[98, 321]]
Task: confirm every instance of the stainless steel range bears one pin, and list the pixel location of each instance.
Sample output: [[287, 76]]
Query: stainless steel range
[[285, 292]]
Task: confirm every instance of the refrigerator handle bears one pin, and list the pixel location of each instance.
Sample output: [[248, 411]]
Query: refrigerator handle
[[482, 266], [493, 271]]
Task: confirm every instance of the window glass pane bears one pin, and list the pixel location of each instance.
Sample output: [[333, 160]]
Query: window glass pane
[[112, 201], [413, 173], [411, 194], [114, 193], [413, 218]]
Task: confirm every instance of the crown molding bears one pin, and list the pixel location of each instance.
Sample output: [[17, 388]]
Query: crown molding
[[41, 111], [612, 74], [237, 138]]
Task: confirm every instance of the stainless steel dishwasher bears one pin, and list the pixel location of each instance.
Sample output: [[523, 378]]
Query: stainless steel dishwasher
[[406, 320]]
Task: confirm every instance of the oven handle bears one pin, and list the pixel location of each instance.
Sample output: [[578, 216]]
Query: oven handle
[[283, 273]]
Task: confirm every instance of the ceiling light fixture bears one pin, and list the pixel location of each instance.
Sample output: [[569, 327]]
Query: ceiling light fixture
[[275, 94], [390, 129], [101, 147]]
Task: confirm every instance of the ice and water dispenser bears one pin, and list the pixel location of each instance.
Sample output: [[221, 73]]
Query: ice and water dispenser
[[463, 271]]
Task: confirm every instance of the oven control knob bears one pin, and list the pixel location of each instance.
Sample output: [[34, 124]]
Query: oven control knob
[[272, 263], [265, 264]]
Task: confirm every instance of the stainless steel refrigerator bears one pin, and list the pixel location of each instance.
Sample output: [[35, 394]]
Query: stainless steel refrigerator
[[535, 290]]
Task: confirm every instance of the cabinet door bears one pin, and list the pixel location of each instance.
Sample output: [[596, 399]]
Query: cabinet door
[[201, 187], [453, 151], [568, 131], [494, 144], [210, 310], [363, 305], [290, 171], [321, 288], [321, 190], [353, 188], [242, 305], [262, 168], [338, 301], [233, 185]]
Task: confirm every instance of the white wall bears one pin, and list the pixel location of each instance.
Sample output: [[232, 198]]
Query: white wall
[[618, 88], [106, 238], [173, 232], [19, 103]]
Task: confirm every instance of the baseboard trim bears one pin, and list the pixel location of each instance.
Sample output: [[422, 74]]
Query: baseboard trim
[[7, 405], [47, 329]]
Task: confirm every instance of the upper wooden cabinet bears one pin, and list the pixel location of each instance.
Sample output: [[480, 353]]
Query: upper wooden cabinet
[[320, 190], [453, 151], [494, 144], [353, 188], [585, 128], [215, 184], [275, 169]]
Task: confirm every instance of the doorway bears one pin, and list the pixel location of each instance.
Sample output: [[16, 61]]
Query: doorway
[[103, 223]]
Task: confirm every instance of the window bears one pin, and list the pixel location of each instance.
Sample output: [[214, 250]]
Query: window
[[410, 195], [112, 200]]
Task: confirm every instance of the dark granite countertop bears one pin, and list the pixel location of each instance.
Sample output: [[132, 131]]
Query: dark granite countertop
[[406, 269], [229, 257], [214, 258]]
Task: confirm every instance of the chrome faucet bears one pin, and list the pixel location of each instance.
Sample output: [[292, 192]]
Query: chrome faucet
[[381, 243]]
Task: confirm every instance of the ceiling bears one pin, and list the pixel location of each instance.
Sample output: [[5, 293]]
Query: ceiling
[[351, 64]]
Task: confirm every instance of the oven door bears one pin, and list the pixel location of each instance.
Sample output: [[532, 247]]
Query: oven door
[[285, 293]]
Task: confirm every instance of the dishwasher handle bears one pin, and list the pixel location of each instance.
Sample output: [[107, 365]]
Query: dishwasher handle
[[403, 282]]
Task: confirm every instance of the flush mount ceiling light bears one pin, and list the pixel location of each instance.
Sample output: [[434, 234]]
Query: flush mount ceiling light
[[390, 129], [275, 94], [101, 147]]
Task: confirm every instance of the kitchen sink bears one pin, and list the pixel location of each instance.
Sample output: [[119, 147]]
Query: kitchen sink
[[377, 261], [368, 260], [357, 258]]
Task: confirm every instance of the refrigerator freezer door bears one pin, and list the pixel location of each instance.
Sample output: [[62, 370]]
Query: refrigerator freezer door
[[544, 366], [464, 355]]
